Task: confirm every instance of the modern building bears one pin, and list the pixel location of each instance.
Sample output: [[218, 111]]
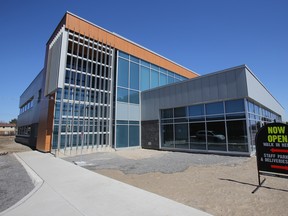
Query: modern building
[[100, 91]]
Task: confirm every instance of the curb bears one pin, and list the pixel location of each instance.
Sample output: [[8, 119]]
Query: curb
[[36, 180]]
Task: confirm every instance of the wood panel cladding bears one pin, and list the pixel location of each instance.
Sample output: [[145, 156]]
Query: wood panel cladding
[[83, 27]]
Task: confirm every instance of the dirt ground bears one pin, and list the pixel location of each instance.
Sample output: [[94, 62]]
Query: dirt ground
[[219, 189], [8, 145]]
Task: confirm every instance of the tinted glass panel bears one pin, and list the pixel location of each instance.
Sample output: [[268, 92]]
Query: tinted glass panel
[[234, 106], [134, 135], [122, 122], [216, 136], [122, 95], [197, 136], [122, 136], [154, 79], [170, 80], [214, 108], [181, 136], [134, 97], [123, 68], [147, 64], [124, 55], [134, 122], [197, 110], [215, 117], [134, 59], [154, 67], [167, 113], [162, 70], [180, 112], [163, 79], [170, 73], [134, 76], [145, 78], [168, 136], [237, 136], [250, 107]]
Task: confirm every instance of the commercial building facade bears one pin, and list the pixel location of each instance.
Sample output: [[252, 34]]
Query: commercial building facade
[[217, 113], [92, 95]]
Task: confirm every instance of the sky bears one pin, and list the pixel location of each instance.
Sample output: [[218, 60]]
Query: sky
[[202, 35]]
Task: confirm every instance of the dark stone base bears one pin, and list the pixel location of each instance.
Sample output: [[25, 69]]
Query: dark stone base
[[150, 134]]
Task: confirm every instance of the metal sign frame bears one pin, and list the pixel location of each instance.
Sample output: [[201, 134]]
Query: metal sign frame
[[272, 151]]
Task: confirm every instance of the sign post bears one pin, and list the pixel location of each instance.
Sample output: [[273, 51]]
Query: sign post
[[272, 150]]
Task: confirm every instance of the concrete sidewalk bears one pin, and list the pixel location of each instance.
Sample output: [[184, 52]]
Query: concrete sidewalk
[[63, 188]]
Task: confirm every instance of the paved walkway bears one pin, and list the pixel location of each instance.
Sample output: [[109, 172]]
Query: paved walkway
[[63, 188]]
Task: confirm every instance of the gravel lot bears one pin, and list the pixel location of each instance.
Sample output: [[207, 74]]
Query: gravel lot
[[14, 180], [219, 185], [150, 161]]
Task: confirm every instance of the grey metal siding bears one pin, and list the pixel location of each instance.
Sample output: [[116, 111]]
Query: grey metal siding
[[223, 85], [258, 92], [32, 115]]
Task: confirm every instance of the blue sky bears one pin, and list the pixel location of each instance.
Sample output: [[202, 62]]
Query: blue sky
[[202, 35]]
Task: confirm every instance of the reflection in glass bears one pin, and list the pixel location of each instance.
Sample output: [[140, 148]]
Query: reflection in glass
[[214, 108], [122, 95], [216, 136], [196, 110], [234, 106], [181, 136], [168, 136], [134, 97], [180, 112], [237, 136], [196, 141]]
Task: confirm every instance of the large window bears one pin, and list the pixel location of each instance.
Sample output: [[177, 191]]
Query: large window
[[154, 78], [122, 136], [197, 136], [258, 116], [237, 136], [168, 136], [181, 136], [123, 69], [145, 78], [216, 136], [136, 75], [122, 95], [219, 127], [83, 117]]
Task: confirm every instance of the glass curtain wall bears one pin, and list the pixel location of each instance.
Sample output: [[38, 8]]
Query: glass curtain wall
[[219, 126], [82, 107], [258, 116], [133, 76]]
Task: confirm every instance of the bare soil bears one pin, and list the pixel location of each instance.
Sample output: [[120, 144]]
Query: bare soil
[[219, 189], [8, 145]]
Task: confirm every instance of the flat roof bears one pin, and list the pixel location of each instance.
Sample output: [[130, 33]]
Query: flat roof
[[86, 28]]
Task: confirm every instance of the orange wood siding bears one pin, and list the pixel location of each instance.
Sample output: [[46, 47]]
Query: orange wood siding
[[78, 25], [45, 127]]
